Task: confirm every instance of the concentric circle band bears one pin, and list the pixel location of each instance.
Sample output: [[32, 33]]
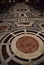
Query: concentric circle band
[[28, 55]]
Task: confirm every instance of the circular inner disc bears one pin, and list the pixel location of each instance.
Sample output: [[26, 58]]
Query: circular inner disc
[[27, 44]]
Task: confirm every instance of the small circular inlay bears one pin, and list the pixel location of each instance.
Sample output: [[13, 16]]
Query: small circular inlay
[[3, 27]]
